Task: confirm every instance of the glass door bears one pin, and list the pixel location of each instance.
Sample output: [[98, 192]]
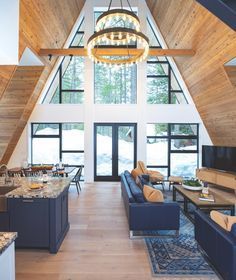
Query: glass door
[[115, 150]]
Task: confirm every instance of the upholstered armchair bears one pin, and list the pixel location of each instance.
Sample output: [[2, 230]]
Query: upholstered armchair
[[154, 176]]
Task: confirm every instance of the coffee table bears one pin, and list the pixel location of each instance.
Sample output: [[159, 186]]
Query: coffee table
[[192, 197]]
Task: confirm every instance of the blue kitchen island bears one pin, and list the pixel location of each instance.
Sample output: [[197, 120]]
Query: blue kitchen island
[[39, 216]]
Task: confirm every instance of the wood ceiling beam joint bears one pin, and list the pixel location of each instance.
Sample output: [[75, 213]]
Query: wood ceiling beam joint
[[116, 52]]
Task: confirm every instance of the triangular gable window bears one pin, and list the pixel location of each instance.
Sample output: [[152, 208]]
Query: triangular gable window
[[67, 86], [162, 84]]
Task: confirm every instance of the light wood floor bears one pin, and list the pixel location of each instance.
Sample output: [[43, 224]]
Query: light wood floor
[[96, 247]]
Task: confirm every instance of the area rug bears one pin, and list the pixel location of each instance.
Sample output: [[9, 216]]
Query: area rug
[[178, 256]]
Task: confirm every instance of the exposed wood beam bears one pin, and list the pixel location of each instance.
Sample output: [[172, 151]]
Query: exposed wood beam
[[116, 52]]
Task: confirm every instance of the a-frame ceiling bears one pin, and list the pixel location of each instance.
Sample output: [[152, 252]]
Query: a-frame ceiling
[[43, 23], [183, 24], [186, 24]]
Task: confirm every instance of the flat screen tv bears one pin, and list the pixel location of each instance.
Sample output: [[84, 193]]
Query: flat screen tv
[[216, 157]]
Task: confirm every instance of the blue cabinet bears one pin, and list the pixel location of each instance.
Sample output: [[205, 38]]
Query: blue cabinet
[[29, 217], [40, 222]]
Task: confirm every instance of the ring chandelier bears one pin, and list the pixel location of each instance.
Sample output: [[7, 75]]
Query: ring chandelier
[[119, 29]]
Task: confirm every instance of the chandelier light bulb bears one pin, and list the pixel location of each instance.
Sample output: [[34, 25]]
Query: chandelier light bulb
[[110, 33]]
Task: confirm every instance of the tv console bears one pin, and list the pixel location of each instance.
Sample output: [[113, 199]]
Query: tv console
[[217, 177]]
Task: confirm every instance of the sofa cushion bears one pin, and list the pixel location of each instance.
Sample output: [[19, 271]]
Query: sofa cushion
[[135, 190], [129, 177], [139, 183], [142, 180], [152, 195], [137, 193], [233, 230]]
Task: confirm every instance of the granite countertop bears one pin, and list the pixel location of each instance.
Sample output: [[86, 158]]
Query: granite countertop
[[52, 189], [6, 239]]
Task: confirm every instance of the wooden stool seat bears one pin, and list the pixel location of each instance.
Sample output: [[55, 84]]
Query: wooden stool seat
[[175, 180]]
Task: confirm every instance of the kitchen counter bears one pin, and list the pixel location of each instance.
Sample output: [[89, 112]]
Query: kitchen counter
[[52, 189], [40, 216], [7, 255], [6, 239]]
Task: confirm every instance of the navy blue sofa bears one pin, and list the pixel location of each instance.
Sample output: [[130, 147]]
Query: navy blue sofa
[[218, 244], [143, 215]]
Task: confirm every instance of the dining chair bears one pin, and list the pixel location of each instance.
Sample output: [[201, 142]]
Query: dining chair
[[32, 173], [15, 173], [3, 170], [76, 179]]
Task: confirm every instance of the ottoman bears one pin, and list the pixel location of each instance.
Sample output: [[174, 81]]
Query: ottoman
[[175, 180]]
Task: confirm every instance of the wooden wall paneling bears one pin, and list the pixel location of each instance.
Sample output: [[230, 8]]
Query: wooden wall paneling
[[43, 24], [17, 94], [231, 73], [6, 73], [186, 24]]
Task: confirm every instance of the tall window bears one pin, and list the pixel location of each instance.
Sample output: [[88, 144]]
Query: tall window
[[116, 84], [172, 149], [67, 86], [162, 85], [54, 142]]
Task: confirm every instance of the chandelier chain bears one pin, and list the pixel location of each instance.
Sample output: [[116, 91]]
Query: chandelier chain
[[129, 6], [127, 47], [109, 5]]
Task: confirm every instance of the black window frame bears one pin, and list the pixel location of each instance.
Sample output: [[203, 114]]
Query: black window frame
[[170, 137], [58, 136], [133, 46], [59, 72], [170, 70], [168, 76]]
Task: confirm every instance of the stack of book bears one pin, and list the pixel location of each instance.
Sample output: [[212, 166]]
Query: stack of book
[[206, 197]]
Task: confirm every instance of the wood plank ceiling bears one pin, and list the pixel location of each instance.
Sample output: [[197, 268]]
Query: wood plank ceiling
[[231, 72], [43, 24], [183, 24], [186, 24]]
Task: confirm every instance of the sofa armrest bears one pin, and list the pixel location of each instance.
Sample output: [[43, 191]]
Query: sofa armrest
[[201, 220], [218, 243], [154, 216]]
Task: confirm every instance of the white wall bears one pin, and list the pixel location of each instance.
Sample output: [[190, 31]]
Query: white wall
[[9, 32], [89, 113], [7, 263], [28, 58]]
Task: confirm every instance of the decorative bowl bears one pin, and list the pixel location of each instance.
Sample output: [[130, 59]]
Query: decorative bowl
[[193, 184], [192, 188]]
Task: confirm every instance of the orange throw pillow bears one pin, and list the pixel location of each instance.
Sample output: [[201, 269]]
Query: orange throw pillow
[[135, 172], [230, 222], [152, 195], [219, 218]]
